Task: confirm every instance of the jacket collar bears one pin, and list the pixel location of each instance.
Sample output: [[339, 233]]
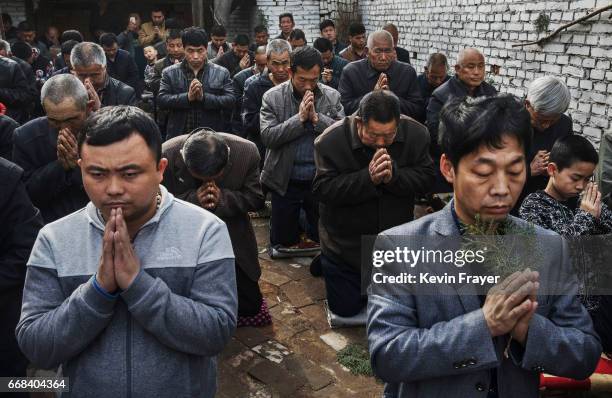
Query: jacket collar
[[444, 223], [371, 72], [94, 218]]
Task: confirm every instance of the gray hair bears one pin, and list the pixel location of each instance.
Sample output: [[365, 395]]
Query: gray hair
[[60, 87], [465, 52], [261, 50], [277, 46], [548, 95], [380, 35], [87, 54], [4, 45]]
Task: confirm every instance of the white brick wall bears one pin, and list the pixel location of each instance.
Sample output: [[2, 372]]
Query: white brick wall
[[306, 14], [15, 8], [580, 56]]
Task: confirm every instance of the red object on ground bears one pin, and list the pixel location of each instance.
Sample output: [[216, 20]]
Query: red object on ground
[[2, 109], [601, 380]]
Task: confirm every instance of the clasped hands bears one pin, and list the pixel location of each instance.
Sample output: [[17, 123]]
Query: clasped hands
[[510, 305], [119, 264], [208, 195], [307, 108]]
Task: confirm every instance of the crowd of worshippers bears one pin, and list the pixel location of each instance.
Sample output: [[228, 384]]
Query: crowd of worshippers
[[110, 166]]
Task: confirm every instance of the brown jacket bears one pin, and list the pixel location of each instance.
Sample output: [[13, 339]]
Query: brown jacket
[[146, 35], [240, 194]]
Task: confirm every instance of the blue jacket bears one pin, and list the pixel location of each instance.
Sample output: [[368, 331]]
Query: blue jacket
[[438, 344], [160, 336]]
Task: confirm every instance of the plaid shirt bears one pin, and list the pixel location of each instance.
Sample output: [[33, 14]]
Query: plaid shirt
[[193, 116]]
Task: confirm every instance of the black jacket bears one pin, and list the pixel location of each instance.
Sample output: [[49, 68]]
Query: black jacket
[[20, 222], [117, 93], [15, 91], [452, 88], [124, 69], [153, 83], [214, 110], [55, 191], [7, 127], [403, 55], [359, 78], [350, 205], [251, 104], [231, 62]]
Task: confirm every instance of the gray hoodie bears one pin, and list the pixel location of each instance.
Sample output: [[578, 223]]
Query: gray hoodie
[[159, 338]]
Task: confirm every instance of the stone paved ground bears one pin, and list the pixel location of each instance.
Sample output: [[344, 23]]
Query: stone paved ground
[[290, 358]]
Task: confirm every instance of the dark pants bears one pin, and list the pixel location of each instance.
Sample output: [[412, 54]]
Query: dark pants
[[285, 217], [12, 362], [343, 287], [249, 295]]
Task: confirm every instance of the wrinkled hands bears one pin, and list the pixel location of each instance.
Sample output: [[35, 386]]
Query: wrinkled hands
[[381, 167], [208, 195], [510, 305], [67, 149]]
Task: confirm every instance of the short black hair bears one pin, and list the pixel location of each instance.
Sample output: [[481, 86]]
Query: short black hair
[[286, 15], [356, 28], [173, 34], [25, 26], [571, 149], [306, 58], [242, 40], [260, 28], [21, 50], [381, 105], [158, 7], [205, 153], [108, 39], [326, 23], [67, 46], [173, 23], [323, 45], [218, 30], [115, 123], [71, 34], [7, 18], [297, 34], [467, 123], [194, 36]]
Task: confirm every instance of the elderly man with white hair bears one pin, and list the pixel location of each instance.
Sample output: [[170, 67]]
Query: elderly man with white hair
[[46, 148], [89, 65], [381, 70], [547, 100]]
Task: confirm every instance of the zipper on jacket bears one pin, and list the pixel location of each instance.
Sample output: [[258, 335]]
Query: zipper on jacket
[[128, 355]]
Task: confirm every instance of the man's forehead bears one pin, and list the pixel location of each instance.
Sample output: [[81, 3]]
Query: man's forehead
[[131, 150], [280, 57]]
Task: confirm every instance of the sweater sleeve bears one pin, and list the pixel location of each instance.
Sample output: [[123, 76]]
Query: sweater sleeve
[[201, 323]]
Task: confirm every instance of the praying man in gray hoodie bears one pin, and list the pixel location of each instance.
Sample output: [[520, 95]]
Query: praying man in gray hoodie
[[135, 294]]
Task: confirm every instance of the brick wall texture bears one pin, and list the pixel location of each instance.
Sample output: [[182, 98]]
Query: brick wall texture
[[580, 56]]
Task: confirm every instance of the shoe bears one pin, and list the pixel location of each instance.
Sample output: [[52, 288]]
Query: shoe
[[262, 318], [337, 321], [316, 269]]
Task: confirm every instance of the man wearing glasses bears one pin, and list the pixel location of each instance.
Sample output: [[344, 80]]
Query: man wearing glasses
[[220, 173], [469, 80], [381, 70], [370, 167]]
